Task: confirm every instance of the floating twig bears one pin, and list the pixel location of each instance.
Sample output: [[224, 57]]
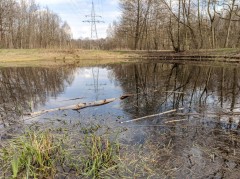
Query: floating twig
[[154, 115]]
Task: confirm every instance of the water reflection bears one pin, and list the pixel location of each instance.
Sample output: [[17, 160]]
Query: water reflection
[[24, 89], [160, 87], [202, 146], [210, 96], [157, 87]]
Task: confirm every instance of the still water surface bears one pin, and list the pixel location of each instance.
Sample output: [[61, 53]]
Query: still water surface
[[158, 87], [208, 94]]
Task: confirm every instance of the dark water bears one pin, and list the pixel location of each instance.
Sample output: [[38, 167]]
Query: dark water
[[208, 94]]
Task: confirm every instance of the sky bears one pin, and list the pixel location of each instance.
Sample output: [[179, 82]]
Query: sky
[[74, 12]]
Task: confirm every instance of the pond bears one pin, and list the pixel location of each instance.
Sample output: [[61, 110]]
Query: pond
[[201, 137]]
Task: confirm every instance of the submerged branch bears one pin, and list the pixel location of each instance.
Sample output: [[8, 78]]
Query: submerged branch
[[80, 105], [89, 104], [154, 115]]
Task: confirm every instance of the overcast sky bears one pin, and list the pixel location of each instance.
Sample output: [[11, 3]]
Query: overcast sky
[[74, 11]]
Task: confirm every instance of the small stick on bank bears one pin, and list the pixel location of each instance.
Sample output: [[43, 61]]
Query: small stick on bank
[[154, 115]]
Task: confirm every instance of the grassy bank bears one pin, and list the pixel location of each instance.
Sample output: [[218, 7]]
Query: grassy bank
[[45, 155], [215, 52], [77, 151], [53, 57]]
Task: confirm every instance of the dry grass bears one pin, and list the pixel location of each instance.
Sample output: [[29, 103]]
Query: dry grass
[[81, 151], [32, 155], [215, 52], [55, 57], [47, 155], [77, 150]]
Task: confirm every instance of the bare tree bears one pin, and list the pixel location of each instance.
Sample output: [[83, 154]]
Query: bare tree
[[178, 24], [23, 24]]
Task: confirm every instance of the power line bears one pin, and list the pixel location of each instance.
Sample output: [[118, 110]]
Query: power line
[[93, 21]]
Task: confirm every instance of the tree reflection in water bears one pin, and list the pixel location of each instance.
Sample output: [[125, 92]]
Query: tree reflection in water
[[21, 89], [207, 141], [203, 146], [160, 87]]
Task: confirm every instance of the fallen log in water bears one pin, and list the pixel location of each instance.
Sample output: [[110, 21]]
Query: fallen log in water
[[96, 103], [154, 115], [80, 105]]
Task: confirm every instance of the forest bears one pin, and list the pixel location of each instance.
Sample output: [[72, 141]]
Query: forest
[[23, 24], [176, 24], [143, 25]]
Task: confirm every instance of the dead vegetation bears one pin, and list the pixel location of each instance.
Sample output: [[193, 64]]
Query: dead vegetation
[[91, 150], [78, 57], [56, 57]]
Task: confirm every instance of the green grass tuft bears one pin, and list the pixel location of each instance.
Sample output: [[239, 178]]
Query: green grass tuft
[[101, 155], [32, 155], [46, 155]]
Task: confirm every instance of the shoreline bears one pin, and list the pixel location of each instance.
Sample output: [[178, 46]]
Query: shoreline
[[61, 57]]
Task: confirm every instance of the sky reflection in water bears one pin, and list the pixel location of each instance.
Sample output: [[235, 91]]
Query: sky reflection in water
[[208, 94]]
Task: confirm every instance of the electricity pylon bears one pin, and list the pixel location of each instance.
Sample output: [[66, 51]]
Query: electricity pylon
[[93, 20]]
